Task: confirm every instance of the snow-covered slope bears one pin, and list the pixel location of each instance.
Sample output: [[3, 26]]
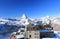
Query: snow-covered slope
[[3, 21], [24, 20]]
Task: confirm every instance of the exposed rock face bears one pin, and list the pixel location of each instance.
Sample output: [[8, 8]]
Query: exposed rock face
[[56, 28]]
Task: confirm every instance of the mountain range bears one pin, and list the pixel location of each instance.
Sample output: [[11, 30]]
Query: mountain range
[[24, 20], [13, 24]]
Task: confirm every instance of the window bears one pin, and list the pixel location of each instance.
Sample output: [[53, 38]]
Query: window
[[36, 36], [30, 36], [36, 33]]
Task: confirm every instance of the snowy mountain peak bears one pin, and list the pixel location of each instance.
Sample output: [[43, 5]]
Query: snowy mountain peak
[[47, 17], [23, 16]]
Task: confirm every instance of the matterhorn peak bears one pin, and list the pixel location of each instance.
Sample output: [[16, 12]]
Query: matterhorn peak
[[23, 16], [48, 16]]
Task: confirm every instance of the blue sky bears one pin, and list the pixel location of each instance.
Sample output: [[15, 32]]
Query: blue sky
[[32, 8]]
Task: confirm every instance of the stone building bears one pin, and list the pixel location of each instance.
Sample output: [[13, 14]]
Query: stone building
[[32, 33], [29, 32]]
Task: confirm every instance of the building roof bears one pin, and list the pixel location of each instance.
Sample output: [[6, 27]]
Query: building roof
[[32, 28], [46, 30]]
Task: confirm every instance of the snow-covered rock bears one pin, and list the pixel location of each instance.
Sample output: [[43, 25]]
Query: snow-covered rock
[[19, 36], [46, 20]]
